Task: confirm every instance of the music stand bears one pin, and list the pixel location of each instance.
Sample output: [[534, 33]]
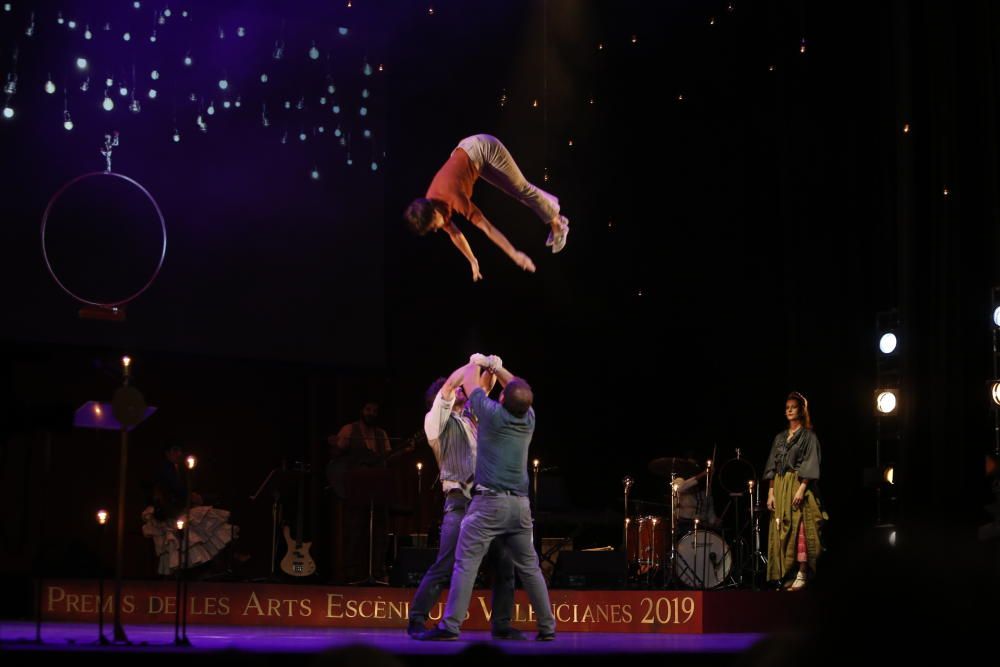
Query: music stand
[[127, 410], [275, 517], [369, 486]]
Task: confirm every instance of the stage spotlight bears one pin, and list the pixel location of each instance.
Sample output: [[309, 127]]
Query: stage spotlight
[[888, 474], [102, 517], [887, 343], [885, 401], [996, 316], [191, 462], [995, 392]]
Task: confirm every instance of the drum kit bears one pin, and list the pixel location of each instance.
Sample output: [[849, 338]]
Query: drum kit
[[681, 542]]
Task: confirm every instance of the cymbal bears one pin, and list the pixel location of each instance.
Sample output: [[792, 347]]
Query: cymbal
[[667, 465]]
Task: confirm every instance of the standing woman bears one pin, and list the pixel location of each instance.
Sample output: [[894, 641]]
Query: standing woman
[[793, 470]]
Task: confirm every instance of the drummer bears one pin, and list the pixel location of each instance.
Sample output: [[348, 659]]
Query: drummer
[[692, 500]]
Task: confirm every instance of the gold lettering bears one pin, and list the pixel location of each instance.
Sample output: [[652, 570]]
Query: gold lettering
[[170, 605], [210, 604], [128, 604], [627, 613], [648, 615], [224, 606], [487, 612], [55, 591], [273, 607], [109, 603], [603, 613], [361, 609], [398, 611], [588, 615], [155, 604], [440, 612], [85, 605], [576, 611], [531, 614], [291, 612], [352, 609], [72, 602], [253, 602], [616, 613], [380, 609], [306, 607], [334, 602], [558, 613]]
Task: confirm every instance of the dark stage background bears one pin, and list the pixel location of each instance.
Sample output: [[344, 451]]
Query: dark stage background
[[743, 201]]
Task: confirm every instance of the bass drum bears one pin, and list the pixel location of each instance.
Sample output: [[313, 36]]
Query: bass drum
[[703, 559]]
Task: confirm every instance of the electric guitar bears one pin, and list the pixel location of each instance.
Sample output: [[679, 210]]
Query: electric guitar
[[297, 561]]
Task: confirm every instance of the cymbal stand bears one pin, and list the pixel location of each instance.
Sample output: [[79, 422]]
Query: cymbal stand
[[627, 482], [757, 557]]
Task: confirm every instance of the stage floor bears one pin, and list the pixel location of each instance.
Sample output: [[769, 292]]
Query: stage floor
[[158, 639]]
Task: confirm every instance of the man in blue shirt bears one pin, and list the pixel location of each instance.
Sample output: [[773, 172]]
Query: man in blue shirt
[[500, 506]]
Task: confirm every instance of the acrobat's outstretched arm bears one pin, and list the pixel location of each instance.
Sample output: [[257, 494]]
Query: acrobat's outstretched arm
[[479, 220], [462, 243]]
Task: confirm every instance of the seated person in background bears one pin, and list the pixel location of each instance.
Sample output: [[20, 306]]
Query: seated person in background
[[209, 530]]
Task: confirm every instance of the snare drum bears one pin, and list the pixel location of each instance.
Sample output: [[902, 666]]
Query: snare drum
[[703, 561], [647, 539]]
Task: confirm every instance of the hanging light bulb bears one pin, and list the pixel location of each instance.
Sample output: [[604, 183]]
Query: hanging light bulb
[[342, 31], [314, 174], [263, 78], [152, 93], [8, 111], [363, 111], [85, 86], [167, 12], [365, 93], [59, 18], [81, 63], [50, 87], [368, 134], [67, 121], [337, 132], [188, 60], [87, 34], [241, 31], [177, 136], [313, 52], [71, 24], [222, 33], [322, 101], [302, 136], [134, 106], [152, 38], [109, 82], [223, 84], [367, 69], [331, 89], [336, 108], [225, 104], [374, 166], [127, 37], [237, 103], [108, 103], [122, 90], [321, 129], [211, 109]]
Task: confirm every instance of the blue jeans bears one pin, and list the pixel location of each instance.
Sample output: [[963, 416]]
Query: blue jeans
[[439, 574], [489, 517]]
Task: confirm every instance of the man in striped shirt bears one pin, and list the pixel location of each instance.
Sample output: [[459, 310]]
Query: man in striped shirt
[[451, 433]]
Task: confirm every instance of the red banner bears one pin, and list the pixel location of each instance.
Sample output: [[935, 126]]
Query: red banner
[[336, 607]]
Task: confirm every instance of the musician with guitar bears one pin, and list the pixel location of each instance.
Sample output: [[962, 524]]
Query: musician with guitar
[[451, 433]]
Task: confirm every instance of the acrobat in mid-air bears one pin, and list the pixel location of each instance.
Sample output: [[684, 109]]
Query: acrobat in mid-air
[[450, 193]]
